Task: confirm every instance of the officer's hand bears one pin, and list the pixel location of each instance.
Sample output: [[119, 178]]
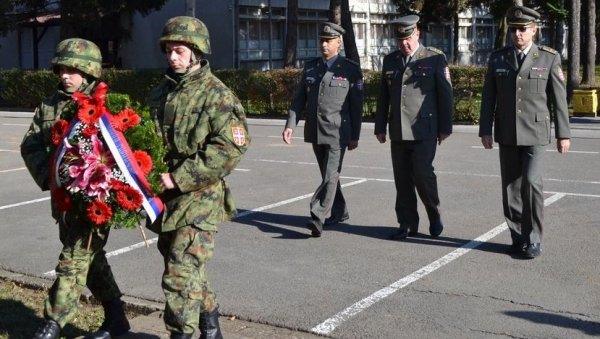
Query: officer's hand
[[287, 135], [380, 137], [487, 141], [563, 145], [442, 137], [352, 145], [166, 181]]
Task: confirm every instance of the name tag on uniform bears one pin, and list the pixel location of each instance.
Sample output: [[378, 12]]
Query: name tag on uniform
[[539, 69], [338, 78]]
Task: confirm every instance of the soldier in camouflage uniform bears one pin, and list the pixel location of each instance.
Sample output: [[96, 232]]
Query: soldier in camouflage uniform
[[330, 95], [78, 62], [204, 128]]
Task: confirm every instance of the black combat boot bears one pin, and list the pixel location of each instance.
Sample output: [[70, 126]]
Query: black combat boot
[[177, 335], [209, 325], [115, 322], [48, 330]]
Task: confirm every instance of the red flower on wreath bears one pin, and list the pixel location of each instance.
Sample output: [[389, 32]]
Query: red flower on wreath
[[125, 119], [59, 130], [88, 131], [99, 212], [62, 199], [144, 161], [117, 185], [91, 107], [129, 198]]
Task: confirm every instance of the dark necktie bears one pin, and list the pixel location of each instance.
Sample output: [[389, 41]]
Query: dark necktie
[[520, 57]]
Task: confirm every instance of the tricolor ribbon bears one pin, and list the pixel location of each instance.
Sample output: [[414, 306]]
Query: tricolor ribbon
[[121, 152], [124, 158]]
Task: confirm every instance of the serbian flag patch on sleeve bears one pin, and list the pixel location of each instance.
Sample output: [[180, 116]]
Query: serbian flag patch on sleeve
[[239, 135]]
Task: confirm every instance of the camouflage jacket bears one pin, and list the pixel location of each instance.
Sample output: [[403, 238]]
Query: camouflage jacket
[[204, 128], [37, 144]]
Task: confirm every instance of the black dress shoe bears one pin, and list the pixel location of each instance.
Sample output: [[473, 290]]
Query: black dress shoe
[[533, 250], [48, 330], [400, 235], [335, 220], [436, 229], [315, 227], [516, 248]]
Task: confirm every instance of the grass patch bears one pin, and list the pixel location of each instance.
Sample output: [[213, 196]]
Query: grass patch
[[22, 308]]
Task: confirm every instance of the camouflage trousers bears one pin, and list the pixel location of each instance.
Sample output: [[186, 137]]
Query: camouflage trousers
[[186, 252], [77, 268]]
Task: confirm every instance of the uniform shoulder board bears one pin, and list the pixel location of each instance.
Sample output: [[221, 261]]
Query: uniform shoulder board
[[502, 49], [548, 49], [435, 50]]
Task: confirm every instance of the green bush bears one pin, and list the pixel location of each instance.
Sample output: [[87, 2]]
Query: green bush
[[261, 92]]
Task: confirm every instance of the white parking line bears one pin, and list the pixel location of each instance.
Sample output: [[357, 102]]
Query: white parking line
[[329, 325], [12, 169], [123, 250], [24, 203], [548, 150]]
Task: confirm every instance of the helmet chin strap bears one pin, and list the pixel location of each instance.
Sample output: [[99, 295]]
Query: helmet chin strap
[[194, 60]]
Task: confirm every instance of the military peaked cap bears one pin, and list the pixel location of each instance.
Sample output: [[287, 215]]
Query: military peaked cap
[[330, 30], [521, 16], [406, 26]]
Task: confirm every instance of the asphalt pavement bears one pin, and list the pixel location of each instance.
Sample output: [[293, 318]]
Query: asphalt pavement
[[275, 281]]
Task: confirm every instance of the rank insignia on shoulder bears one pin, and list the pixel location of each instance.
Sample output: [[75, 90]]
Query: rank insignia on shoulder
[[239, 135], [548, 49]]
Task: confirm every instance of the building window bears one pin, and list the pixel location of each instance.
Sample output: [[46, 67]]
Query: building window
[[308, 35], [255, 39]]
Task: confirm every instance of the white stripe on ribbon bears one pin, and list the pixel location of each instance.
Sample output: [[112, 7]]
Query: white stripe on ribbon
[[115, 145]]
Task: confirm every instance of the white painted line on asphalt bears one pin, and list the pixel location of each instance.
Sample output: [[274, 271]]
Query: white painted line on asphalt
[[548, 150], [123, 250], [575, 194], [289, 201], [9, 150], [332, 323], [24, 203], [13, 170], [314, 163], [15, 125], [52, 274], [241, 169]]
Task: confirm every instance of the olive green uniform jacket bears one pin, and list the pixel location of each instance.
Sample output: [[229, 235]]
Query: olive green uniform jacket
[[416, 101], [331, 101], [204, 128], [519, 103], [36, 146]]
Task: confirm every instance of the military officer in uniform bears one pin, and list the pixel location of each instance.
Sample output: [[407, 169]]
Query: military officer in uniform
[[330, 96], [204, 128], [523, 92], [416, 103]]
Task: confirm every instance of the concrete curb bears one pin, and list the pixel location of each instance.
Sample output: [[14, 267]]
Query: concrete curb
[[149, 323]]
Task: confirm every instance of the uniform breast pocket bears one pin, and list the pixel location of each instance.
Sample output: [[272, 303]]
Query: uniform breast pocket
[[339, 89], [538, 79], [424, 79]]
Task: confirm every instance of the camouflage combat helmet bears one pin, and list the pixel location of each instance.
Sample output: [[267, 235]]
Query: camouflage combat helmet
[[83, 55], [188, 30]]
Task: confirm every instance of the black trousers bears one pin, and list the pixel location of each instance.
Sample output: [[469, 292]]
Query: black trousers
[[522, 191], [412, 162]]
